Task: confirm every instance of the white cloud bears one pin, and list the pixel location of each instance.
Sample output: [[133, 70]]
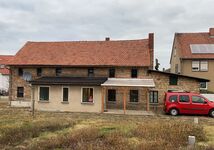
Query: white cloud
[[44, 20]]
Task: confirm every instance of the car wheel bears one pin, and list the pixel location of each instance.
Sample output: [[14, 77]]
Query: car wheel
[[211, 113], [174, 112]]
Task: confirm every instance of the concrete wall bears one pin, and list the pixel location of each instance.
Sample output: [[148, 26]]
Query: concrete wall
[[74, 104], [4, 82], [187, 69]]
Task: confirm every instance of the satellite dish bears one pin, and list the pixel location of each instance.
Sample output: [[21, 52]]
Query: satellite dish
[[27, 76]]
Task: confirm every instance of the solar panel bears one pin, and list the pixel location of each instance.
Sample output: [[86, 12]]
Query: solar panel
[[202, 48]]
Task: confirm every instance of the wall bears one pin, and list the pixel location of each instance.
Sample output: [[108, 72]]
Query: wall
[[187, 69], [74, 103], [175, 58], [4, 82]]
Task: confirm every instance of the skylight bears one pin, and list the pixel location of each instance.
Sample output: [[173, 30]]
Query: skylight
[[202, 48]]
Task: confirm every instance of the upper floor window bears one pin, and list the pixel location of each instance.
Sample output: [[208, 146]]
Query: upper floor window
[[90, 72], [111, 72], [173, 80], [39, 72], [134, 72], [20, 91], [20, 72], [58, 71], [200, 65]]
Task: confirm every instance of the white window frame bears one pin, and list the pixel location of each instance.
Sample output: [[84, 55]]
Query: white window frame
[[82, 96], [68, 93], [198, 63], [205, 62], [39, 94], [204, 88]]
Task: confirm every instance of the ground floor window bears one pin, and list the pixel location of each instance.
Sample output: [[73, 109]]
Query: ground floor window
[[65, 94], [44, 93], [111, 95], [153, 96], [203, 85], [133, 95], [87, 95], [20, 91]]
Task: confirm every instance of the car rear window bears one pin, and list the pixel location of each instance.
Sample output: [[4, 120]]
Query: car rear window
[[173, 98], [184, 98]]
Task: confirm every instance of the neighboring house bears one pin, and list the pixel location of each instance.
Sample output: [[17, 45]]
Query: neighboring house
[[4, 74], [91, 76], [193, 55]]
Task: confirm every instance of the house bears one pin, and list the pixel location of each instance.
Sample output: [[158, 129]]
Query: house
[[4, 74], [91, 76], [193, 54]]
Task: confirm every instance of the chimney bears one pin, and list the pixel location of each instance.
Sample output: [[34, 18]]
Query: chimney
[[151, 49], [107, 38], [211, 32]]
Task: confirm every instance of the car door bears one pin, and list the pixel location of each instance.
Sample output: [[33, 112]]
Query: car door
[[184, 104], [199, 105]]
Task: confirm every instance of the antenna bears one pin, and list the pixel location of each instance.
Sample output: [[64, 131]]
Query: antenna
[[27, 76]]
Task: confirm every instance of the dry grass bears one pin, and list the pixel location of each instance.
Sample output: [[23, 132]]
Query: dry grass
[[18, 130]]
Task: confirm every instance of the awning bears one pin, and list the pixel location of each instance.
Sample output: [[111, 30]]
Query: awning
[[94, 81], [129, 82]]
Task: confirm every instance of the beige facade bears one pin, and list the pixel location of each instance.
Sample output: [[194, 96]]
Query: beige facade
[[74, 104]]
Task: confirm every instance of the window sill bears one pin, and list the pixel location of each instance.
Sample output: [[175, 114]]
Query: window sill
[[42, 101], [87, 103], [65, 102]]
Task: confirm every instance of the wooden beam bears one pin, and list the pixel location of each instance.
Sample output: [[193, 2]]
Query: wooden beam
[[147, 99], [103, 98], [124, 100]]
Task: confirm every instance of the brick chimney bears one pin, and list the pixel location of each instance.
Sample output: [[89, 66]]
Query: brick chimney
[[107, 38], [211, 32], [151, 49]]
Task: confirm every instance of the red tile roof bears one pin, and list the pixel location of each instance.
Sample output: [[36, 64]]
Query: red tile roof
[[85, 53], [185, 39], [5, 59], [4, 71]]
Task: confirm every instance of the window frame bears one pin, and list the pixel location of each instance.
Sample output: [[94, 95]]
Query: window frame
[[203, 64], [82, 96], [17, 94], [63, 93], [132, 72], [173, 77], [153, 97], [39, 72], [203, 88], [58, 71], [48, 94], [115, 95], [92, 73], [110, 75], [130, 98]]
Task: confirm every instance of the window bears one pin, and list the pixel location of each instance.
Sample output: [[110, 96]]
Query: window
[[20, 91], [87, 95], [203, 85], [133, 95], [197, 99], [153, 96], [184, 98], [20, 72], [65, 94], [203, 66], [91, 72], [200, 65], [173, 98], [58, 71], [44, 93], [111, 72], [2, 66], [112, 95], [134, 73], [39, 72], [173, 80]]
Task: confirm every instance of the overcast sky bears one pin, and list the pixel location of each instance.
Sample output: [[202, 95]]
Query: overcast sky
[[60, 20]]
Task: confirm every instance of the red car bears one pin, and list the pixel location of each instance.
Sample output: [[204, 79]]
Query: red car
[[187, 103]]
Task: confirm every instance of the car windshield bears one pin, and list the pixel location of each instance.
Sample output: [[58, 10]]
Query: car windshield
[[209, 97]]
